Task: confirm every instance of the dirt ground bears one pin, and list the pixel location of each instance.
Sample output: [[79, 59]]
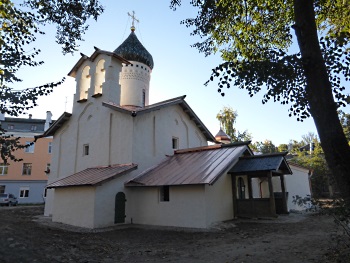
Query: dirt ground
[[27, 236]]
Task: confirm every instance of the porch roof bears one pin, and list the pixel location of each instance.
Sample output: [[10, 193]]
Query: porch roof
[[201, 165], [262, 163], [93, 176]]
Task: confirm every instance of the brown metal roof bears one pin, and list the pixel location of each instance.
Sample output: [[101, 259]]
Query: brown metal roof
[[262, 163], [133, 111], [201, 165], [94, 176]]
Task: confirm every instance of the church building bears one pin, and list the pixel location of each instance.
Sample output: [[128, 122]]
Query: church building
[[116, 159]]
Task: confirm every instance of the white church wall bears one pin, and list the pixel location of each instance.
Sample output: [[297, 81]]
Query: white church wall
[[105, 201], [256, 187], [186, 206], [153, 133], [120, 139], [111, 88], [74, 206], [98, 76], [218, 199], [297, 184]]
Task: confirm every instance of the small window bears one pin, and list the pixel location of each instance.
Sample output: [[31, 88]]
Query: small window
[[164, 193], [27, 169], [50, 147], [29, 148], [3, 169], [143, 98], [2, 189], [10, 127], [86, 149], [175, 143], [24, 192], [33, 128], [45, 192]]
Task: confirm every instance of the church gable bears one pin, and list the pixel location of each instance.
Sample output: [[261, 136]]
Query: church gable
[[179, 114]]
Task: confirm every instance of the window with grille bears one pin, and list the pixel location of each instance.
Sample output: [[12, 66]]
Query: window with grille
[[175, 143], [29, 148], [27, 169], [86, 149], [164, 194], [3, 169], [24, 192]]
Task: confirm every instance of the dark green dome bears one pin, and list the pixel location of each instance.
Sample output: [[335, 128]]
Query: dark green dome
[[132, 49]]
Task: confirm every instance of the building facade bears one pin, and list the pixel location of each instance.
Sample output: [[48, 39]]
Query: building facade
[[27, 179]]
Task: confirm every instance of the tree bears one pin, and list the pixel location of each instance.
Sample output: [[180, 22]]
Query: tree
[[345, 123], [227, 118], [282, 148], [321, 177], [18, 30], [265, 147], [254, 39]]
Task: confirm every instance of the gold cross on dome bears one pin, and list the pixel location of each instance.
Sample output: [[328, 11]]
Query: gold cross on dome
[[133, 19]]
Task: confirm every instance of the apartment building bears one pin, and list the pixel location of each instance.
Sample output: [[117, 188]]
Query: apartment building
[[27, 179]]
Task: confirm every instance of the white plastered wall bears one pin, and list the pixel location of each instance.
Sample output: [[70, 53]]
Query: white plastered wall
[[135, 78], [297, 184], [153, 133], [218, 199], [186, 207], [74, 206]]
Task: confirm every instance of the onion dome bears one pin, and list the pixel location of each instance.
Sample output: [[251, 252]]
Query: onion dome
[[222, 137], [132, 49]]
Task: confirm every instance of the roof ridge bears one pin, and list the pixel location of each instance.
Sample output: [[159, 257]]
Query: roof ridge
[[265, 155]]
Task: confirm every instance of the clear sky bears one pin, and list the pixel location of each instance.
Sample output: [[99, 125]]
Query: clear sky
[[179, 70]]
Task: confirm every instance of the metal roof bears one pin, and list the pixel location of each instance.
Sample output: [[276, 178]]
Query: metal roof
[[93, 176], [175, 101], [202, 165], [132, 49], [262, 163]]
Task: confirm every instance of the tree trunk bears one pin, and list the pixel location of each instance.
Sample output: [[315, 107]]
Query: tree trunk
[[319, 95]]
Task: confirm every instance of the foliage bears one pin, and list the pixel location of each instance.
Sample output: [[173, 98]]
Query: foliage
[[315, 161], [227, 118], [254, 39], [18, 31], [264, 147], [345, 122], [282, 148]]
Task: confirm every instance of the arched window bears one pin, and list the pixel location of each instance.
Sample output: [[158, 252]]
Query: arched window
[[241, 188], [99, 77], [84, 84]]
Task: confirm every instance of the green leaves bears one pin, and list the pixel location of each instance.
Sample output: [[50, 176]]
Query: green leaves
[[18, 31], [227, 118]]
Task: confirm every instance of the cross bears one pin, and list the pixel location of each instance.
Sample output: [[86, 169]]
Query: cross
[[133, 18]]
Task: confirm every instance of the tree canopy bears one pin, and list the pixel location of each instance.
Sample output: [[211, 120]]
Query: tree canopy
[[20, 25], [227, 118], [255, 38]]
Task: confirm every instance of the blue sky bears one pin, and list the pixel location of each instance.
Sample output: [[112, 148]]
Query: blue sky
[[179, 70]]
